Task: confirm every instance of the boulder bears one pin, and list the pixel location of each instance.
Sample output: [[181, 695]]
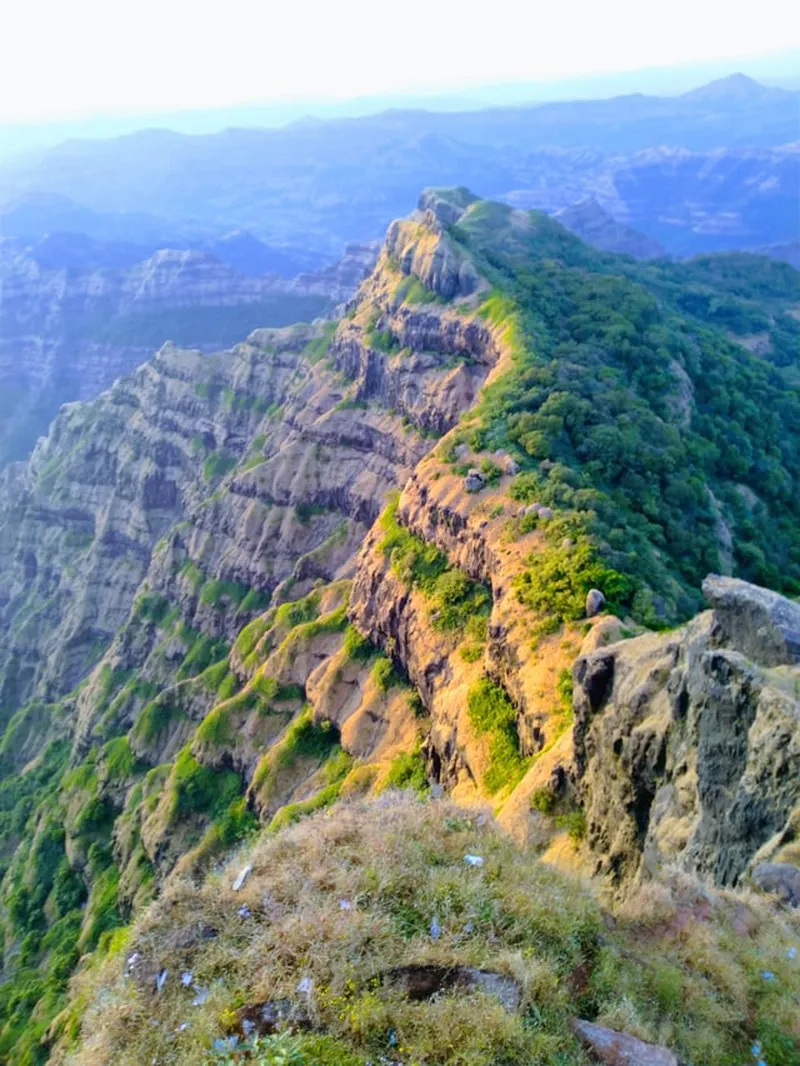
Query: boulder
[[545, 512], [474, 481], [595, 602], [620, 1049], [779, 879], [760, 624]]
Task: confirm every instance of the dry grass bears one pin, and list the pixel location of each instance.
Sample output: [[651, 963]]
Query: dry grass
[[344, 896]]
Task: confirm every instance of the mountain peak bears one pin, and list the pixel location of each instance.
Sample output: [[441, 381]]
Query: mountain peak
[[736, 86]]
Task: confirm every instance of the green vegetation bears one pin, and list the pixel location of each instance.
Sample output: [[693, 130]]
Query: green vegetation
[[155, 717], [217, 465], [317, 349], [407, 771], [202, 652], [382, 340], [456, 601], [199, 789], [412, 291], [223, 594], [385, 674], [307, 739], [151, 606], [398, 867], [297, 612], [119, 761], [355, 646], [454, 598], [492, 714], [415, 562], [593, 408], [335, 770]]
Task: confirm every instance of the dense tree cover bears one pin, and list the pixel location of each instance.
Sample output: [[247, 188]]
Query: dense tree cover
[[647, 427]]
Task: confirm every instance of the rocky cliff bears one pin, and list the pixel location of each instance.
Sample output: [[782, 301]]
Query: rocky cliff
[[687, 744], [239, 587], [67, 333]]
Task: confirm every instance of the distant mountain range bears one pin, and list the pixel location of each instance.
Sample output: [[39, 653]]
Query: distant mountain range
[[714, 168]]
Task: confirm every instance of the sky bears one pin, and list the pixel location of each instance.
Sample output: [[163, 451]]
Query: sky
[[68, 60]]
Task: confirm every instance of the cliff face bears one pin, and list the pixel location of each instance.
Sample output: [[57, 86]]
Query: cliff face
[[239, 586], [687, 745], [67, 334]]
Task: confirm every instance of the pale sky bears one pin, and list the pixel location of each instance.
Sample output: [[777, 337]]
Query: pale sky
[[63, 59]]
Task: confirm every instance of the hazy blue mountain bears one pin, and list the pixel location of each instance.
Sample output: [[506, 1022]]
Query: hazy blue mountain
[[313, 186]]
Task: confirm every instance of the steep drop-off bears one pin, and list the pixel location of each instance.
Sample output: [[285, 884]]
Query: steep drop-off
[[67, 332], [240, 587]]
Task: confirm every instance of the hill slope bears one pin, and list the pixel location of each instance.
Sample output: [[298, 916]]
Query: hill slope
[[237, 588]]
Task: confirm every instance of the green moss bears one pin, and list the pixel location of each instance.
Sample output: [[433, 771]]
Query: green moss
[[308, 739], [155, 717], [492, 713], [235, 824], [152, 607], [355, 646], [223, 594], [385, 675], [297, 612], [415, 562], [249, 637], [217, 465], [216, 730], [336, 769], [407, 771], [317, 349], [202, 652], [193, 574], [412, 291], [199, 789], [102, 909], [119, 761], [254, 601], [382, 340], [454, 598]]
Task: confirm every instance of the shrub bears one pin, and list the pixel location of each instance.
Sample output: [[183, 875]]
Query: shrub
[[492, 713], [199, 789], [355, 646], [407, 771], [384, 674]]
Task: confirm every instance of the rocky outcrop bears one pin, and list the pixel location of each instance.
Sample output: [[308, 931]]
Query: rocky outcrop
[[687, 744], [756, 622]]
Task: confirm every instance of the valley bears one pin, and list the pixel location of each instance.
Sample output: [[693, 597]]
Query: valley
[[453, 541]]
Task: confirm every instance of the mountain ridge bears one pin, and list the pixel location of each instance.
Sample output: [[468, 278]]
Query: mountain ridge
[[352, 555]]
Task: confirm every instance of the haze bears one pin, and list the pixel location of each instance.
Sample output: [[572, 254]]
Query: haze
[[61, 62]]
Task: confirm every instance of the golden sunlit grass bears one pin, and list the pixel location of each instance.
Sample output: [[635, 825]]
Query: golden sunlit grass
[[337, 901]]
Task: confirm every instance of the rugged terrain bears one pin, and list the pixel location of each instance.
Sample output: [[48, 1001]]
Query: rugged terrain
[[714, 169], [382, 551], [69, 327]]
